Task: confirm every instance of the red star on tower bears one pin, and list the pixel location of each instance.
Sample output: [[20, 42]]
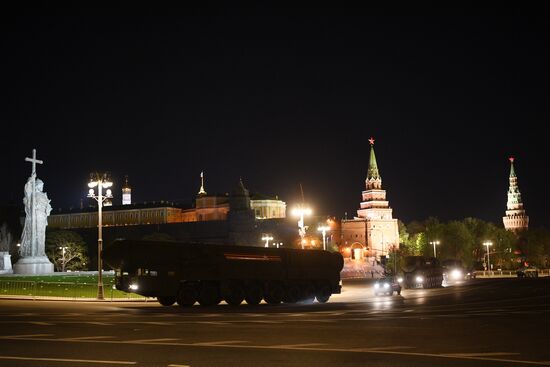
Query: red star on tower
[[371, 141]]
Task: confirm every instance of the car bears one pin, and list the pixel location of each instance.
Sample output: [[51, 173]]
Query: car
[[386, 286], [454, 272], [528, 272]]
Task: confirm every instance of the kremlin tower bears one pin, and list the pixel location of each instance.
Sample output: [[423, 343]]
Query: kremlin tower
[[374, 232], [516, 219], [126, 192]]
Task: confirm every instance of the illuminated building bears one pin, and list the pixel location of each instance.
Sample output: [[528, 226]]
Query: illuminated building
[[516, 219], [374, 232], [214, 207], [126, 192]]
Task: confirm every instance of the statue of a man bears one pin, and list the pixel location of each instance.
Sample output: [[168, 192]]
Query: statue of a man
[[37, 210]]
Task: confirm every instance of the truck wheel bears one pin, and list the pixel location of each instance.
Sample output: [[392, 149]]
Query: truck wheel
[[292, 294], [253, 294], [187, 295], [235, 294], [166, 300], [308, 293], [323, 293], [275, 293], [209, 294]]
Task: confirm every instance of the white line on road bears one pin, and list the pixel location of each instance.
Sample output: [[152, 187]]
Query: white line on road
[[23, 336], [147, 341], [220, 343], [65, 360], [373, 349], [305, 349], [42, 323], [179, 365], [90, 337], [291, 346], [483, 354]]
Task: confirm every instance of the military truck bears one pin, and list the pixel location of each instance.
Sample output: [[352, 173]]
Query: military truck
[[422, 272], [187, 273]]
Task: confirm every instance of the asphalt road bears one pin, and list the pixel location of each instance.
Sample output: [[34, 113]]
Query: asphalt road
[[502, 322]]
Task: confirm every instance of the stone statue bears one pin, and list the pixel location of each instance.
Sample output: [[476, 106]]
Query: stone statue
[[37, 209]]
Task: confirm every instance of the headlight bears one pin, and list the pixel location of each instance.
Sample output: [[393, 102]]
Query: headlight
[[399, 280], [376, 285], [386, 285], [419, 279], [456, 274], [133, 287]]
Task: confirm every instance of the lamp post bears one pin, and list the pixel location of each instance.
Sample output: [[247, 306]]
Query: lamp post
[[62, 258], [267, 238], [434, 243], [101, 182], [488, 243], [300, 212], [324, 230]]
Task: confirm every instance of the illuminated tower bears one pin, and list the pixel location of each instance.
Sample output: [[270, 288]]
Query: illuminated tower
[[126, 192], [374, 231], [202, 192], [516, 219]]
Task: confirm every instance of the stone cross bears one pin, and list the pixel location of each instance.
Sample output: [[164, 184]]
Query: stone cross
[[34, 161]]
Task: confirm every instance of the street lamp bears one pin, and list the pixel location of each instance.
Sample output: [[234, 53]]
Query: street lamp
[[434, 243], [300, 212], [101, 182], [63, 258], [267, 238], [324, 230], [488, 243]]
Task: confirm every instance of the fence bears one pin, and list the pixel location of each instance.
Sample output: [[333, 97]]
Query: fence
[[507, 273], [62, 291]]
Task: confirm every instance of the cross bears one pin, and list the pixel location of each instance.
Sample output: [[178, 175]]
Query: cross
[[371, 141], [34, 161]]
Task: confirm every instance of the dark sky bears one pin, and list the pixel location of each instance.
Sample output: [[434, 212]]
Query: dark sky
[[279, 101]]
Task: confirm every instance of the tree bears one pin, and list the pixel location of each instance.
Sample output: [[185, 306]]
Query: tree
[[66, 250]]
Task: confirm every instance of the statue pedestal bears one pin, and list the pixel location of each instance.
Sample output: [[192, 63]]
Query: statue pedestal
[[33, 265], [5, 263]]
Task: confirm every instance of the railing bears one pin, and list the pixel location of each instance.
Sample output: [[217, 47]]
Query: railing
[[507, 273], [62, 291]]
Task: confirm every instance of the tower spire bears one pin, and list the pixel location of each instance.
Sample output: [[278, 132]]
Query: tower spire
[[374, 181], [516, 219], [202, 192]]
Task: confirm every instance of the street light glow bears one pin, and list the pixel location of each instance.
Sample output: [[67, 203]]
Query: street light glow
[[101, 182], [324, 230], [488, 243], [434, 243]]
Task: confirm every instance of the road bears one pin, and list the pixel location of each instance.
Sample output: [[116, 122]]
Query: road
[[488, 322]]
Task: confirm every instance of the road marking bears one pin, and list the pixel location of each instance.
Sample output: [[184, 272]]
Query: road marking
[[212, 322], [65, 360], [161, 323], [292, 346], [179, 365], [90, 337], [387, 348], [145, 341], [23, 336], [40, 323], [99, 323], [308, 349], [220, 343], [483, 354]]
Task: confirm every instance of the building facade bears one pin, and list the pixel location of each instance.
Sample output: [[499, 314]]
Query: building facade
[[516, 218], [373, 232]]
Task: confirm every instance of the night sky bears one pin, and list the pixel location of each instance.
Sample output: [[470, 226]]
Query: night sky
[[281, 100]]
